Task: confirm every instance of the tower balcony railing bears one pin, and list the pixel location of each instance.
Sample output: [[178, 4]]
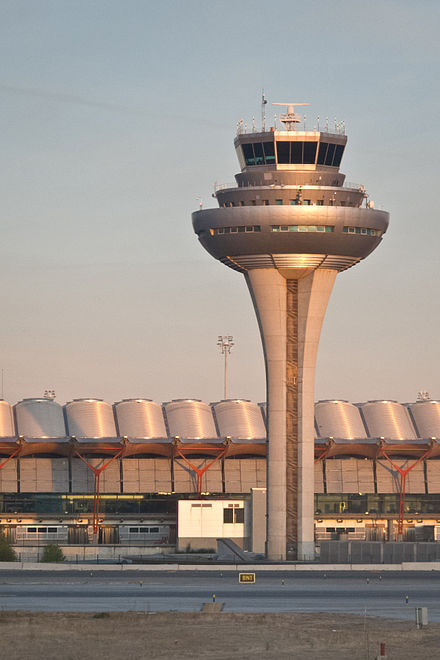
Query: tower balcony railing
[[317, 125], [347, 184]]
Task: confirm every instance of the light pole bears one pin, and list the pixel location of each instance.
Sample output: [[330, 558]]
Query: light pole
[[225, 344]]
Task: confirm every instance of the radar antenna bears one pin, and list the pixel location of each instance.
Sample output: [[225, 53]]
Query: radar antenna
[[290, 118]]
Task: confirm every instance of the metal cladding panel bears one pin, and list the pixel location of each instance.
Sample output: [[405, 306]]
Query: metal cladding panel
[[433, 474], [339, 419], [44, 475], [7, 427], [190, 419], [8, 477], [365, 475], [162, 475], [184, 478], [82, 477], [333, 473], [427, 418], [242, 474], [40, 418], [90, 418], [388, 419], [388, 479], [415, 481], [130, 470], [240, 419], [319, 477], [350, 480], [146, 475], [140, 418]]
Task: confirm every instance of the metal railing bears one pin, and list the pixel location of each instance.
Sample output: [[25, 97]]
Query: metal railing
[[347, 184], [307, 124]]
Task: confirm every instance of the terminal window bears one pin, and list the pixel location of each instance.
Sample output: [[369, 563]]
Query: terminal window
[[233, 515]]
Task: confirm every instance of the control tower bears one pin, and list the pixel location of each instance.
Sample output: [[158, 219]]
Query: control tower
[[290, 224]]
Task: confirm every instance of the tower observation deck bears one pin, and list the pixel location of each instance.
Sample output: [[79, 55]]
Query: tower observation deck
[[290, 224]]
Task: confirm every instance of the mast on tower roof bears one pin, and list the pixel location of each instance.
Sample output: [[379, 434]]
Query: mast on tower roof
[[263, 112]]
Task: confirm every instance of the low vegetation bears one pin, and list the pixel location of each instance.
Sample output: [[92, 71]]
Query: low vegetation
[[7, 552], [52, 554]]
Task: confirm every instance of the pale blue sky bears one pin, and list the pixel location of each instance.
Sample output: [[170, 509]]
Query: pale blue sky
[[115, 116]]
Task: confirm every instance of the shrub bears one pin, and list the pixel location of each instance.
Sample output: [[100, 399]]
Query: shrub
[[7, 552], [52, 553]]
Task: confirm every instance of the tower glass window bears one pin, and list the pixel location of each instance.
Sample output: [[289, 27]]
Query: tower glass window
[[322, 152], [259, 156], [248, 153], [269, 153], [283, 152], [330, 154], [338, 155], [296, 153], [309, 153]]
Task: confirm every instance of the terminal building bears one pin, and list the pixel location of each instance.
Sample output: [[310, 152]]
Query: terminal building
[[181, 474]]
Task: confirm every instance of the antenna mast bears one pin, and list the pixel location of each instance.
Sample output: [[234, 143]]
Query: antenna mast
[[263, 112]]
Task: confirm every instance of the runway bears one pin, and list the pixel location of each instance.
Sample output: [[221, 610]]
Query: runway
[[387, 594]]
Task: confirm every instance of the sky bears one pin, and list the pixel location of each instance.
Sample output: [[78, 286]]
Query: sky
[[116, 116]]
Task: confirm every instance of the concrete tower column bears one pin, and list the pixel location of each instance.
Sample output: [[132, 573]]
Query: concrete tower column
[[290, 308]]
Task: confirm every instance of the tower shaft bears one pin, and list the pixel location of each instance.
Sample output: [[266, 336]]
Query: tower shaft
[[290, 225], [290, 311]]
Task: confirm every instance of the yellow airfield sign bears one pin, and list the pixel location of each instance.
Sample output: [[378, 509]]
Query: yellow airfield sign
[[246, 577]]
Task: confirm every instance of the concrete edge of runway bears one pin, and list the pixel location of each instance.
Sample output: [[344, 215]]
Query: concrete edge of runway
[[251, 568]]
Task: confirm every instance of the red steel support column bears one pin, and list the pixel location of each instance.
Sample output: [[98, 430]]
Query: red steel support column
[[403, 474], [200, 472], [97, 473]]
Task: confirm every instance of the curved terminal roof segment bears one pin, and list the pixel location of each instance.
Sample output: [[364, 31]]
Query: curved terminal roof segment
[[140, 418], [339, 419], [40, 418], [190, 419], [90, 418], [427, 418], [388, 419], [7, 427], [238, 419]]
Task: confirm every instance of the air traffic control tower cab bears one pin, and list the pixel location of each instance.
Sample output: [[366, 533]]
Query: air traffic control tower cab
[[290, 203], [290, 224]]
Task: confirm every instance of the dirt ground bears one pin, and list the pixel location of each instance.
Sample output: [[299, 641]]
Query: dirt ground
[[164, 635]]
